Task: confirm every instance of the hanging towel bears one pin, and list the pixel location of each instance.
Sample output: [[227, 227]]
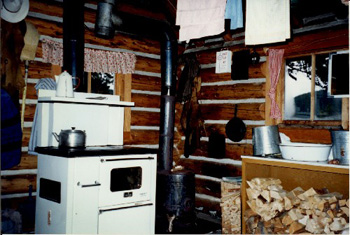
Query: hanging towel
[[234, 12], [267, 21], [200, 18], [45, 84]]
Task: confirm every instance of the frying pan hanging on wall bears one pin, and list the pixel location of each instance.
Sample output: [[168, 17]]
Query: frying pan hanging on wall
[[235, 128]]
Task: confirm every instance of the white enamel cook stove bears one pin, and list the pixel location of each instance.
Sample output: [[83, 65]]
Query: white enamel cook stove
[[97, 189]]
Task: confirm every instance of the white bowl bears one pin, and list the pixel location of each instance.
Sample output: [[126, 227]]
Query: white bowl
[[305, 151]]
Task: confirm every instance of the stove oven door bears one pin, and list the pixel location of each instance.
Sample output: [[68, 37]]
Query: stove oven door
[[127, 179], [130, 218]]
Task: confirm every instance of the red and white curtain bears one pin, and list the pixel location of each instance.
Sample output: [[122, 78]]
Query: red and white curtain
[[94, 60]]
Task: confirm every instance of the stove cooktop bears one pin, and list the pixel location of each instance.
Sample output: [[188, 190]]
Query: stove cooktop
[[94, 151]]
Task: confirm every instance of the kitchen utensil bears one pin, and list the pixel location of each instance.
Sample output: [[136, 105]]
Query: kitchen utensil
[[71, 138], [266, 140], [235, 128], [305, 151], [340, 144], [64, 85]]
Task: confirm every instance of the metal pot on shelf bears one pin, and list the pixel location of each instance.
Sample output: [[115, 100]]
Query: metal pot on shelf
[[70, 138], [340, 146]]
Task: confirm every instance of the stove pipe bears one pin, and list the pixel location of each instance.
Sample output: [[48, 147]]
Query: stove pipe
[[167, 105], [105, 25], [73, 42]]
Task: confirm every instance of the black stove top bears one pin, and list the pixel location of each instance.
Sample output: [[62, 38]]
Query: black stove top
[[94, 151]]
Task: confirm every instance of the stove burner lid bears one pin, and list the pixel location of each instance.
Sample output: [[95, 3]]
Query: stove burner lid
[[94, 151]]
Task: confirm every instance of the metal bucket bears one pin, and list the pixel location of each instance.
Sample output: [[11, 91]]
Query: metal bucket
[[340, 146], [266, 141]]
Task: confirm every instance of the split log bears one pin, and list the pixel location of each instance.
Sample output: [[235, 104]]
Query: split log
[[231, 207], [295, 227], [273, 210]]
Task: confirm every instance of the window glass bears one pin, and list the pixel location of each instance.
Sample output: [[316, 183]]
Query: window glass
[[126, 179], [338, 75], [326, 107], [101, 83], [297, 88]]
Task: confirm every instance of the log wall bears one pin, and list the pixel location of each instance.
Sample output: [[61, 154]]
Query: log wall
[[219, 94]]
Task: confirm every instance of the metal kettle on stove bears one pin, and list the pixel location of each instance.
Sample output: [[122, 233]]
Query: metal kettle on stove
[[71, 138]]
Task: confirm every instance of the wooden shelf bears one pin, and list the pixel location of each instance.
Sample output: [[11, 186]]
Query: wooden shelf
[[294, 174]]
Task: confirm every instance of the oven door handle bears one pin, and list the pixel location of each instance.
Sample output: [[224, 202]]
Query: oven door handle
[[126, 207], [89, 185]]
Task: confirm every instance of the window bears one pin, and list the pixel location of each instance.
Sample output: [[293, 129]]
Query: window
[[306, 85], [126, 179], [338, 74], [100, 83]]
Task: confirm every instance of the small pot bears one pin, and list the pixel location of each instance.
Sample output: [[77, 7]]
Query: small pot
[[71, 138]]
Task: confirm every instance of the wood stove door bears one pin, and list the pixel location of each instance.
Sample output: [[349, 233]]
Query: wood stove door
[[126, 179]]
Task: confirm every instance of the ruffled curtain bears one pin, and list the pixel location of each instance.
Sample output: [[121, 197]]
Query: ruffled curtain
[[109, 61], [275, 64], [52, 52], [94, 60]]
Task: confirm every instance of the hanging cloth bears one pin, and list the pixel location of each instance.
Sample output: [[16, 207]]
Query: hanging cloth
[[234, 12], [275, 64], [200, 18], [190, 71], [267, 21]]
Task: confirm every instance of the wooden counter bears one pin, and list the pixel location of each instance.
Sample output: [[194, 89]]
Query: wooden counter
[[293, 174]]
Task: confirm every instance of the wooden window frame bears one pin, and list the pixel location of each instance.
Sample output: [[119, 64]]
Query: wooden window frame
[[279, 96]]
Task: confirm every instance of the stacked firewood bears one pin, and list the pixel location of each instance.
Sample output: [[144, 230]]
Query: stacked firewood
[[273, 210], [231, 207]]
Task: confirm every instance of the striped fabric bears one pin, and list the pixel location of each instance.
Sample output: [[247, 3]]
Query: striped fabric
[[46, 84]]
